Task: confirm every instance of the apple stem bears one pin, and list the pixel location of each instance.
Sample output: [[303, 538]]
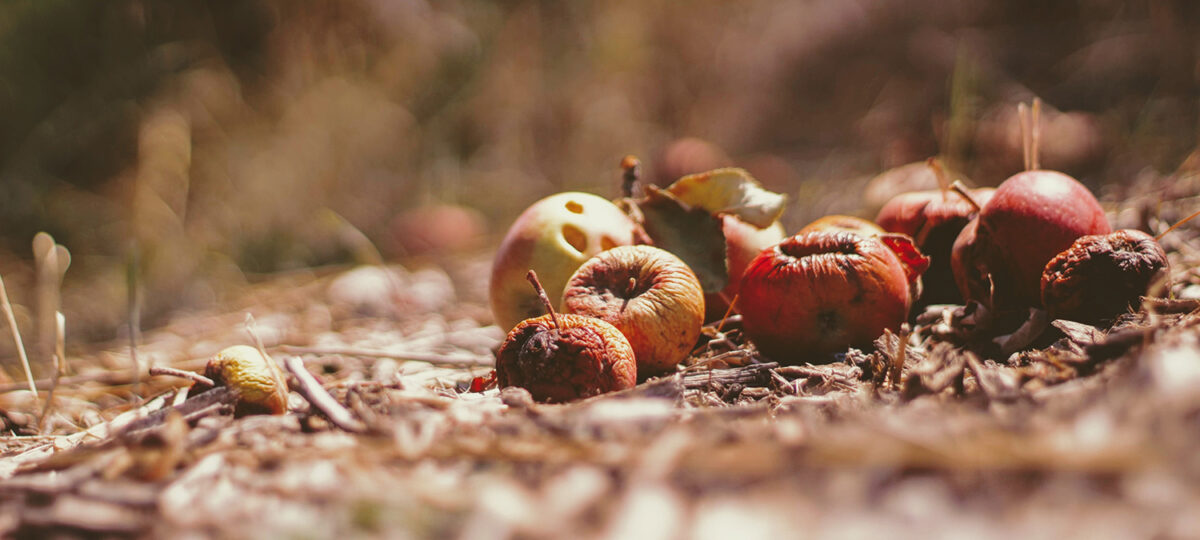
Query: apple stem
[[632, 172], [1035, 133], [728, 312], [1176, 225], [537, 286], [961, 190], [1023, 117], [940, 174]]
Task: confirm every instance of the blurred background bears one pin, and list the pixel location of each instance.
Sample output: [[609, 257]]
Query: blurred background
[[195, 147]]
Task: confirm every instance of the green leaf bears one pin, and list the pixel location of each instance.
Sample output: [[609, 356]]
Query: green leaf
[[692, 234], [730, 191]]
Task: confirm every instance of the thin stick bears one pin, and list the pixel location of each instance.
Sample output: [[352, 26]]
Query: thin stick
[[134, 306], [898, 361], [312, 391], [940, 174], [728, 312], [1176, 225], [112, 378], [961, 190], [12, 326], [1023, 114], [463, 360], [1035, 137], [182, 374], [632, 172], [537, 286], [60, 365]]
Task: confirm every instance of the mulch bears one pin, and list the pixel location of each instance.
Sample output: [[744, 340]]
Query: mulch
[[1060, 429]]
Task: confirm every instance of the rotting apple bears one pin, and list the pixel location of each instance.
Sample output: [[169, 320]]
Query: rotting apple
[[934, 219], [564, 357], [821, 292], [553, 236], [999, 257], [257, 379], [743, 242], [647, 293], [1101, 276]]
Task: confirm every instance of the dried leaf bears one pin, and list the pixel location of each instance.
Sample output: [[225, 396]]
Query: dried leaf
[[730, 191], [693, 235]]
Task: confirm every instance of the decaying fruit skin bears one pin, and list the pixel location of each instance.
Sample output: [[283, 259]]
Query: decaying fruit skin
[[261, 386], [1033, 216], [580, 357], [934, 219], [553, 236], [743, 242], [821, 292], [1101, 276], [647, 293]]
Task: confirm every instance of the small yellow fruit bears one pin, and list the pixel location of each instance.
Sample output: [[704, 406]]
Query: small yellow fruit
[[261, 386]]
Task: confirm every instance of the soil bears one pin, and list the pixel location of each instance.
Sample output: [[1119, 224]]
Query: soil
[[1058, 430]]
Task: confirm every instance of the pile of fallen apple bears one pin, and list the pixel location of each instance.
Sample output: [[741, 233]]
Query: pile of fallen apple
[[626, 286]]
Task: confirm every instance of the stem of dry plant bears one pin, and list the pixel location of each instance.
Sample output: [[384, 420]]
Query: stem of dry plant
[[16, 333]]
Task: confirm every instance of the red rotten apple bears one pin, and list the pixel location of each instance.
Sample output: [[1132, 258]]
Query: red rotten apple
[[999, 257], [648, 294], [560, 358], [934, 219], [821, 292], [1102, 276]]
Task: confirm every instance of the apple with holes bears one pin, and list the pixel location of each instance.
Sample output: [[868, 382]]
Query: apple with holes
[[553, 237], [823, 291]]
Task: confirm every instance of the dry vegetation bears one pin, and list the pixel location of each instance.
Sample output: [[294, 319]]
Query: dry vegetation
[[235, 160]]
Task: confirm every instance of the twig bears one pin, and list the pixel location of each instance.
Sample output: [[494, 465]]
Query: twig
[[470, 361], [312, 391], [183, 374], [958, 187], [60, 363], [133, 299], [106, 377], [12, 326]]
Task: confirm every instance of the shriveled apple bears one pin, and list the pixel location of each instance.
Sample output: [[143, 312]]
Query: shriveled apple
[[821, 292], [648, 294]]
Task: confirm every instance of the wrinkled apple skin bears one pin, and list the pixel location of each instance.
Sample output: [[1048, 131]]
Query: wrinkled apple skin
[[1031, 218], [583, 357], [553, 237], [821, 292], [649, 294], [934, 220], [743, 242]]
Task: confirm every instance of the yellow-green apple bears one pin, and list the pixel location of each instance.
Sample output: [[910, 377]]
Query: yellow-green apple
[[553, 237]]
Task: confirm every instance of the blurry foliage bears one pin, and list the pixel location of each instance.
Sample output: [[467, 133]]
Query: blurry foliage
[[212, 135]]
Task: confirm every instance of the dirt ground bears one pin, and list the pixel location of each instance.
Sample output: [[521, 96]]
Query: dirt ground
[[226, 161], [1089, 433]]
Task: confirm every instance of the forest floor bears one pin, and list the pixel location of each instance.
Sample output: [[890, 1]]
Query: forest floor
[[1085, 432]]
